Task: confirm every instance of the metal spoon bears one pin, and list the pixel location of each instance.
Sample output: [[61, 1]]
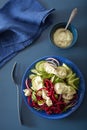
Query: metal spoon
[[73, 13], [17, 80]]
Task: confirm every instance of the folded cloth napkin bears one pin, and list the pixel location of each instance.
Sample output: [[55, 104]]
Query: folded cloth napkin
[[21, 22]]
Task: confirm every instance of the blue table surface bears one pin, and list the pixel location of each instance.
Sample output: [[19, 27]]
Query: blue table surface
[[43, 47]]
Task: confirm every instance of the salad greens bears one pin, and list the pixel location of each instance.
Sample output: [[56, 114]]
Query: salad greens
[[53, 87]]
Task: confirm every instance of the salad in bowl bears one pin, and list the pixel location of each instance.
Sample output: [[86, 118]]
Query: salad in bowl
[[53, 87]]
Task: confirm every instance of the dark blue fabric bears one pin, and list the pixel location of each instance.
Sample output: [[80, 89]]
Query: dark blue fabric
[[21, 22]]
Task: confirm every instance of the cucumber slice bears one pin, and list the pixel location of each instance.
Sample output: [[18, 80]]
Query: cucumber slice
[[31, 76], [68, 69], [46, 75], [57, 79], [66, 66], [35, 72], [74, 83], [72, 76], [40, 102], [52, 78], [40, 66], [34, 96]]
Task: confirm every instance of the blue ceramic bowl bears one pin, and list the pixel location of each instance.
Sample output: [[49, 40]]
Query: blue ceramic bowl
[[71, 28], [81, 90]]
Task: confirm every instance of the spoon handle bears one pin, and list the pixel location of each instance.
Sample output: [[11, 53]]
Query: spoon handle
[[73, 13]]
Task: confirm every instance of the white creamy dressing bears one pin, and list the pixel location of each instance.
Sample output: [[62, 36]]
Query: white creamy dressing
[[67, 96], [49, 68], [61, 72], [66, 91], [27, 92], [58, 71], [37, 83], [60, 88], [62, 38], [49, 101], [44, 94]]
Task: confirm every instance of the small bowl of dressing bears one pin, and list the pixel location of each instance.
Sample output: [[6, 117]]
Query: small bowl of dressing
[[63, 38]]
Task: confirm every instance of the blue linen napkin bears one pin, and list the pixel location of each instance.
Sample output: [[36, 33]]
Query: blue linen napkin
[[21, 22]]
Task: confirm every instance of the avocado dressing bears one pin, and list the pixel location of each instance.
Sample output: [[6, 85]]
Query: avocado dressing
[[62, 38]]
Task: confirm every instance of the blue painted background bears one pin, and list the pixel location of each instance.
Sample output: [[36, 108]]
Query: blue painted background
[[43, 47]]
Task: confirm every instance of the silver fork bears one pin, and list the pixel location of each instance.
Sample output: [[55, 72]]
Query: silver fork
[[16, 75]]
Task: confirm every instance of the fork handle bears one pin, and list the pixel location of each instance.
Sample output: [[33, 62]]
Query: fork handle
[[18, 106]]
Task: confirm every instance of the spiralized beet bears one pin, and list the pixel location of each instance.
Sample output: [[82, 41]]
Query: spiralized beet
[[58, 105]]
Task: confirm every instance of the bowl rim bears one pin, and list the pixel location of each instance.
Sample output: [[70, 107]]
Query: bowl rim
[[71, 26], [82, 85]]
